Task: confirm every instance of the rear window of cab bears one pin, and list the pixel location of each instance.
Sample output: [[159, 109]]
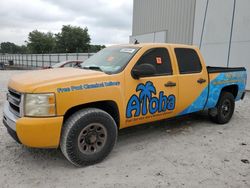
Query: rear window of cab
[[188, 60]]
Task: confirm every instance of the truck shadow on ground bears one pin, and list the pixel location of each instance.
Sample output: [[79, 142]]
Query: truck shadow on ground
[[176, 126], [173, 126]]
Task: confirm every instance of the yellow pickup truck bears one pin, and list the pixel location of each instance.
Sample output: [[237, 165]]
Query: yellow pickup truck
[[81, 110]]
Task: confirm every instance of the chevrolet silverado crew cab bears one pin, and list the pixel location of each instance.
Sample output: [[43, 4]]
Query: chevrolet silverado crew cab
[[81, 110]]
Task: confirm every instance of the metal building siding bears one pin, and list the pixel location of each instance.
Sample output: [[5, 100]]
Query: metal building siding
[[175, 16]]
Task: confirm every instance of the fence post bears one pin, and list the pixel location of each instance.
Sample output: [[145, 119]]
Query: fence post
[[50, 60], [66, 56], [58, 58], [12, 59], [22, 59], [31, 60], [42, 61], [27, 60]]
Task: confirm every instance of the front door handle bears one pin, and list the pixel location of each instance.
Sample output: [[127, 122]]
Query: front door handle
[[201, 80], [170, 84]]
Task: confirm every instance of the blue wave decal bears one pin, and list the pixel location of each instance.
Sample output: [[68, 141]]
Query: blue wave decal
[[198, 104], [221, 81]]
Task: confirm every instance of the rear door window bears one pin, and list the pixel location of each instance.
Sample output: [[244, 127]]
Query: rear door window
[[188, 60], [159, 58]]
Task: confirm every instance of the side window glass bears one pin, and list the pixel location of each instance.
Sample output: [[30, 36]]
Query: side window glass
[[188, 60], [67, 65], [71, 64], [159, 58]]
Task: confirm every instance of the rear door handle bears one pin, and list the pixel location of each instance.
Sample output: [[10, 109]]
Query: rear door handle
[[170, 84], [201, 80]]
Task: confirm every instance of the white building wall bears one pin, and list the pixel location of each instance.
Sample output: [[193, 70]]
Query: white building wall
[[216, 37], [181, 21], [174, 16], [240, 51], [160, 36]]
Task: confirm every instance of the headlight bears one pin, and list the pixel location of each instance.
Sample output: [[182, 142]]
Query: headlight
[[40, 105]]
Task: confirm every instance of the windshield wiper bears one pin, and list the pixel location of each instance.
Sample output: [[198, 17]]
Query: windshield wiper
[[93, 68]]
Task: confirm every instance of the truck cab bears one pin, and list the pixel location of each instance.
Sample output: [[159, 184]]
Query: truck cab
[[81, 110]]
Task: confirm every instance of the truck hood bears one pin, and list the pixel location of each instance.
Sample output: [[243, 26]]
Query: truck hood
[[28, 82]]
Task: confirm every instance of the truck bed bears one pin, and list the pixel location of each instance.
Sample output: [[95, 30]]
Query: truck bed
[[224, 69]]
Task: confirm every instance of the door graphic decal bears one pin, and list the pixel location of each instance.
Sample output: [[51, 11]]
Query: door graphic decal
[[147, 101]]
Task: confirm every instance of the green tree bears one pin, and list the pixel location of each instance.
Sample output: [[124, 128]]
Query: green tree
[[72, 39], [40, 42], [96, 48], [9, 47], [23, 49]]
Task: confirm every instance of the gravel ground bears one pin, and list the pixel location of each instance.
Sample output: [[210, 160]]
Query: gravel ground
[[186, 152]]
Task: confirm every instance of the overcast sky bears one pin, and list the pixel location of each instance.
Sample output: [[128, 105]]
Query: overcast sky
[[108, 21]]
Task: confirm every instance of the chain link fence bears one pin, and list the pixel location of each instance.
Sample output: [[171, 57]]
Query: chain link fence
[[39, 60]]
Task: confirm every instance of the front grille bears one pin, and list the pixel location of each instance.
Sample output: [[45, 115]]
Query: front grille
[[14, 98]]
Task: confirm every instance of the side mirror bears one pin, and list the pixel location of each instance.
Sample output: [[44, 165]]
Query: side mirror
[[143, 70]]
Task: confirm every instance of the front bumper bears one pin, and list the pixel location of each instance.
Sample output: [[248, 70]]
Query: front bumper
[[33, 132], [9, 121], [11, 132]]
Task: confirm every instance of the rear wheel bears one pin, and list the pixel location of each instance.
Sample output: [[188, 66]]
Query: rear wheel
[[224, 109], [88, 136]]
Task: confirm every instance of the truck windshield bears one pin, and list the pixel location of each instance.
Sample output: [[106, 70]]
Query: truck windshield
[[110, 60]]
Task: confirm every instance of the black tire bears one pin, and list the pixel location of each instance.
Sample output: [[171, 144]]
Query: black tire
[[224, 109], [77, 145]]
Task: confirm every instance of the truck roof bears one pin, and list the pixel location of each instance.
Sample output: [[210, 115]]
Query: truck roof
[[157, 44]]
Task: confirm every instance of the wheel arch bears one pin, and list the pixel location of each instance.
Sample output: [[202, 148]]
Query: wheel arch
[[108, 106], [231, 89]]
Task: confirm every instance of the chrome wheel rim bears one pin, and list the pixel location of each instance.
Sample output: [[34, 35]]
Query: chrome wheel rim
[[92, 138]]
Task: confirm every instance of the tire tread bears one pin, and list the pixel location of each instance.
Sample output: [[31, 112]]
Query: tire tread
[[70, 124]]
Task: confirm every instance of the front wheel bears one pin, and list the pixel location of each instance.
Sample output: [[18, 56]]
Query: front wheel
[[88, 136], [224, 109]]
